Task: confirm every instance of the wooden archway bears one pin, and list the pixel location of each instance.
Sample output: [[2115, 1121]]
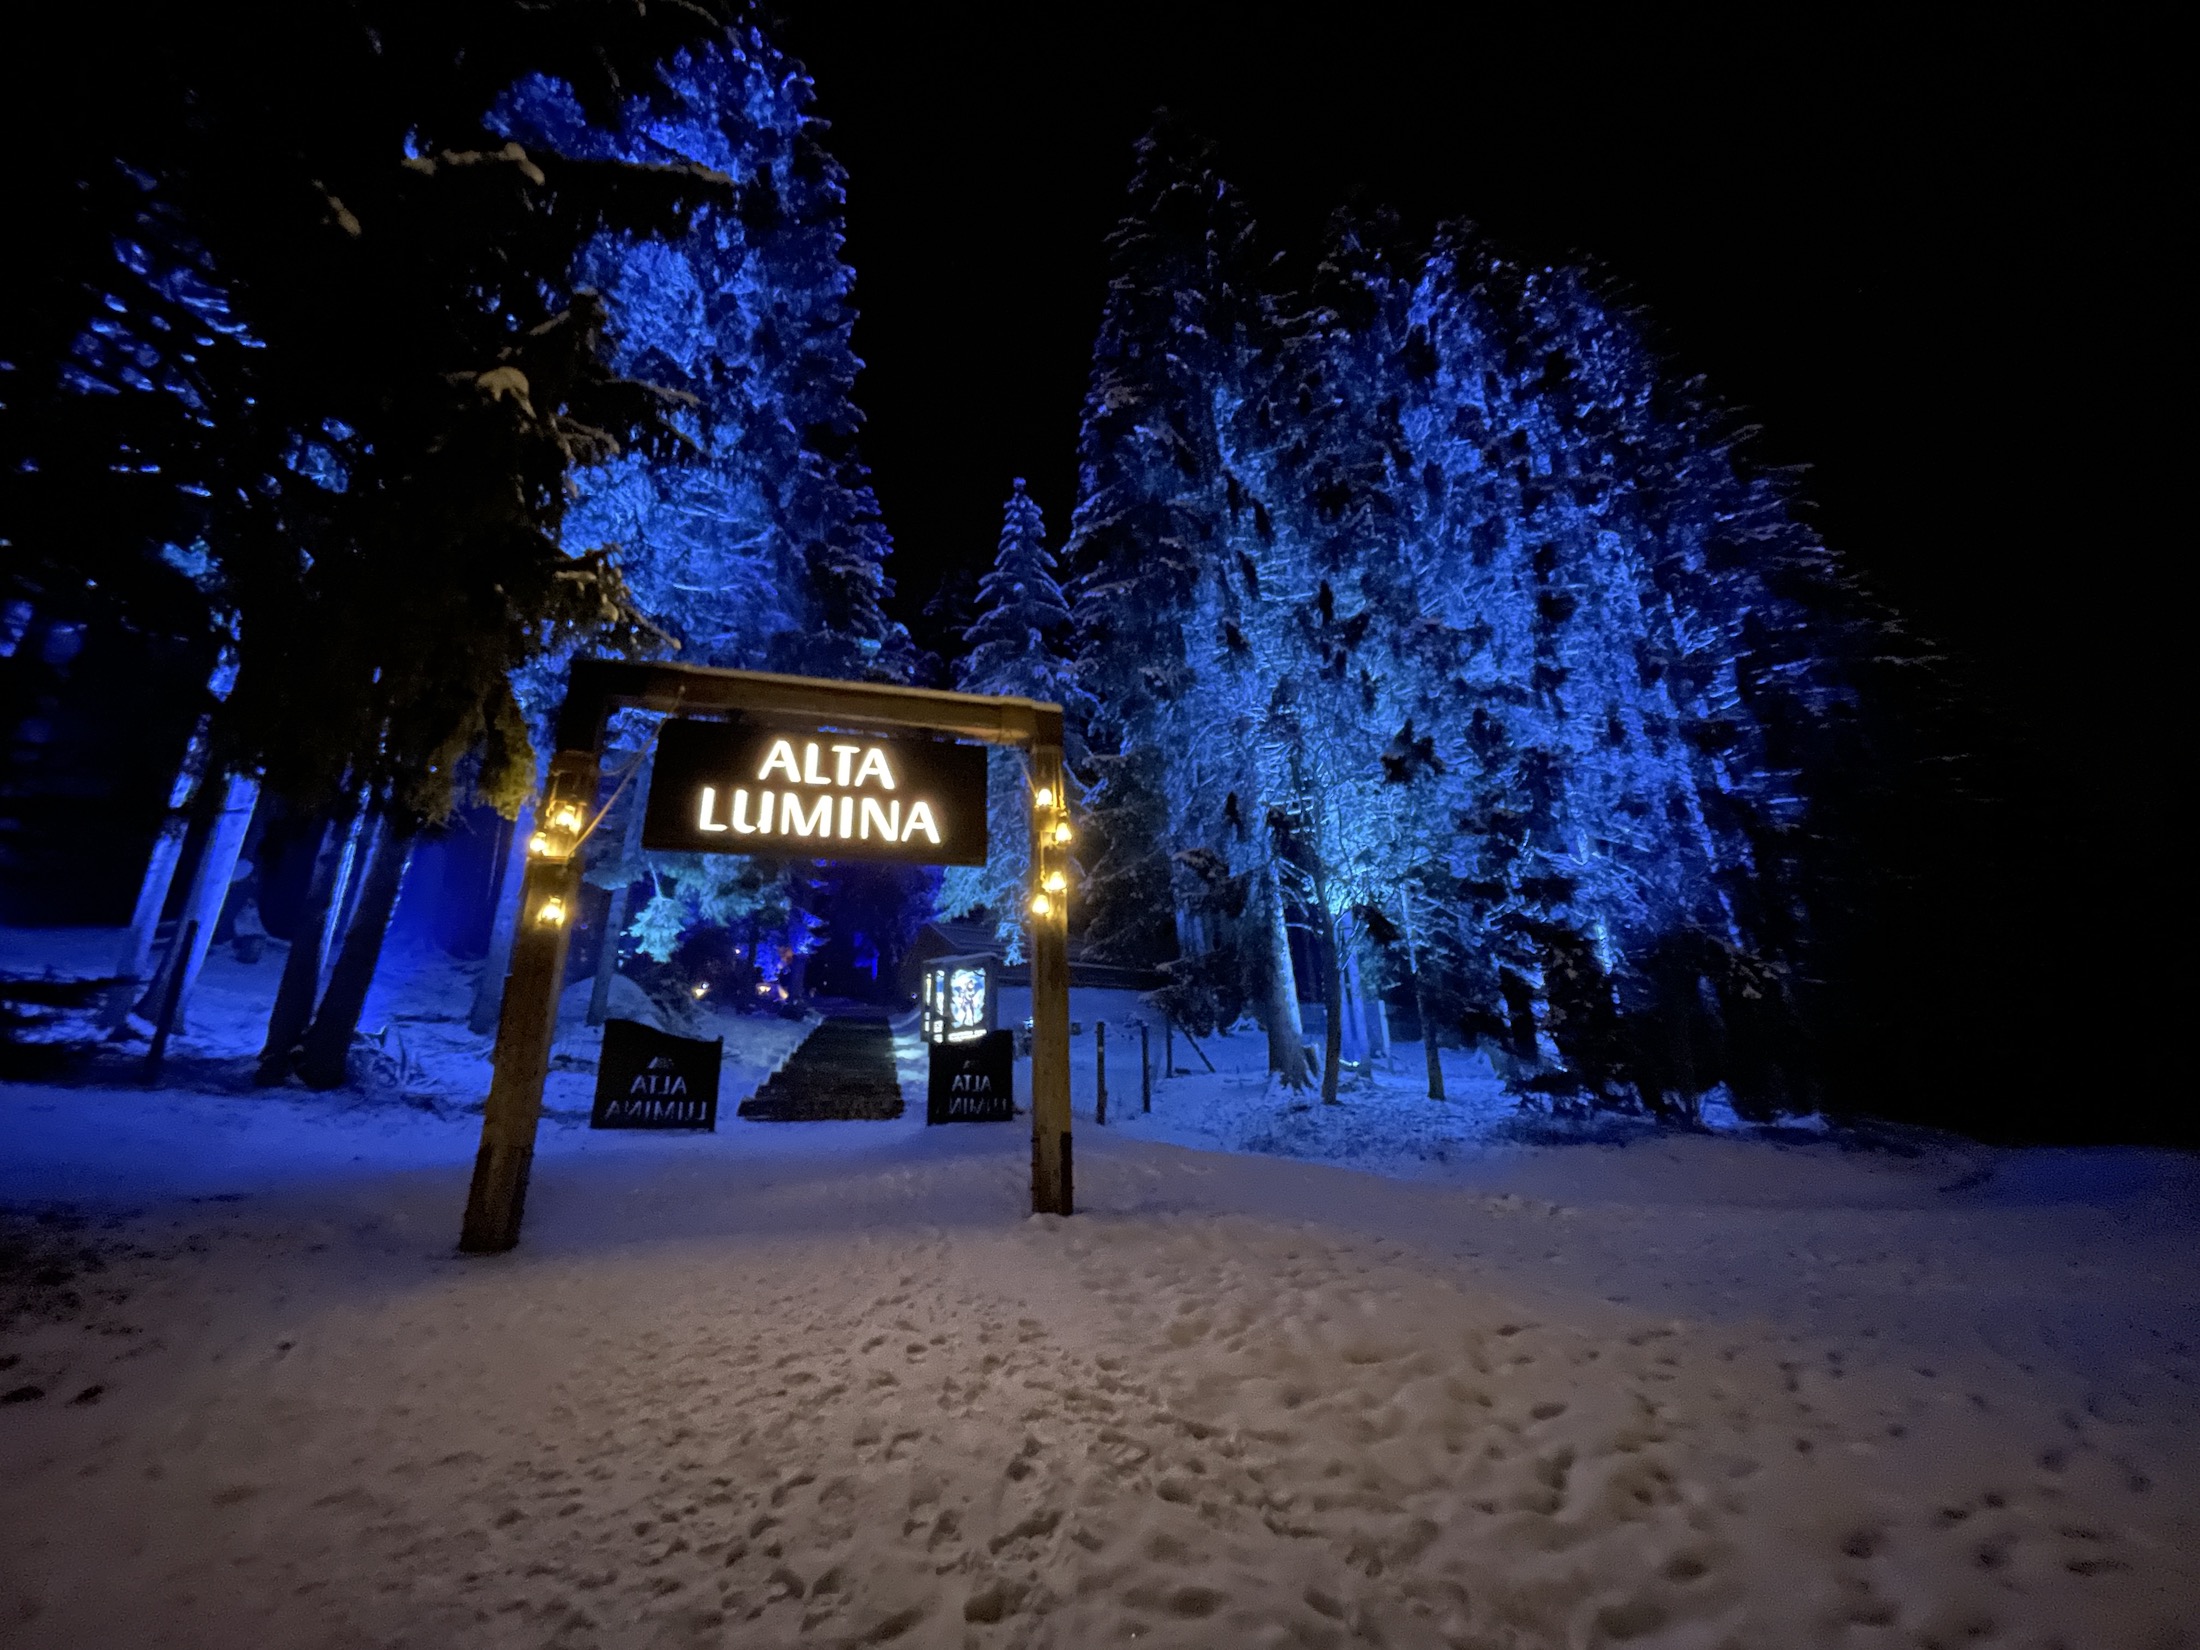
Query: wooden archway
[[528, 1021]]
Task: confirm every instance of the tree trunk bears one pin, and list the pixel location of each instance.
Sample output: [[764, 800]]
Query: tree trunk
[[301, 982], [235, 798], [1431, 1047], [1332, 989], [1375, 1013], [1356, 1046], [607, 954], [489, 985], [1280, 996], [325, 1061], [350, 880], [1429, 1044], [357, 843], [199, 823], [160, 875]]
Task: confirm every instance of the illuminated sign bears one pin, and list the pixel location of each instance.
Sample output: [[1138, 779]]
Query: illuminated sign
[[958, 999], [719, 788]]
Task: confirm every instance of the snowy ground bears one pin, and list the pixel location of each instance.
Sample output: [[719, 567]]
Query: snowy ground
[[828, 1384]]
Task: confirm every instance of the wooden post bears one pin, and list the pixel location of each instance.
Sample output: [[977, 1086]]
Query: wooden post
[[1050, 1183], [1168, 1048], [1100, 1070], [529, 1020], [1145, 1066]]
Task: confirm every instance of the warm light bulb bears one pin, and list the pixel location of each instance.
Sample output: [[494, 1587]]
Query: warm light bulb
[[1056, 882], [567, 818], [552, 913], [1045, 798], [701, 992], [1061, 832], [539, 843], [1041, 906]]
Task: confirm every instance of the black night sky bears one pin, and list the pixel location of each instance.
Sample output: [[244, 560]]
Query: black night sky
[[1924, 260]]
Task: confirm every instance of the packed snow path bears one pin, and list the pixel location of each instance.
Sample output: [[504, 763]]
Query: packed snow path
[[829, 1385]]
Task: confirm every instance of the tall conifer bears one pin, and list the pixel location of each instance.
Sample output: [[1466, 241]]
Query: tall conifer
[[1015, 647]]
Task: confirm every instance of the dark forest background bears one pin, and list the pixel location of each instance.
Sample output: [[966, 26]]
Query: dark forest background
[[1931, 264]]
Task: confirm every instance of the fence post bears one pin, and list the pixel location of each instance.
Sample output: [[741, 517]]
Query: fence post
[[1100, 1070], [1145, 1066]]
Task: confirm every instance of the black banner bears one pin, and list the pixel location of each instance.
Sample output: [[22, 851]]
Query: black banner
[[728, 788], [648, 1079], [974, 1081]]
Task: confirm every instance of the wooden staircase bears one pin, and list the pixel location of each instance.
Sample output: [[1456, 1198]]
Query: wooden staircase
[[843, 1072]]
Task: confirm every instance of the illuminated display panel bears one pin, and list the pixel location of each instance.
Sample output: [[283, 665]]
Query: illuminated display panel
[[720, 788], [957, 1001]]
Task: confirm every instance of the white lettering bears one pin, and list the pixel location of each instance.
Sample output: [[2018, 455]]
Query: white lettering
[[847, 815], [889, 822], [810, 775], [920, 819], [741, 810], [874, 760], [764, 809], [703, 821], [841, 753], [782, 756], [819, 823]]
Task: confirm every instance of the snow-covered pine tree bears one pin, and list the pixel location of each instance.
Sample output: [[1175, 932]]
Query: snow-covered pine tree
[[1177, 814], [1507, 646], [768, 551], [1322, 599], [1023, 618], [1612, 866], [381, 395], [1015, 647], [1514, 548]]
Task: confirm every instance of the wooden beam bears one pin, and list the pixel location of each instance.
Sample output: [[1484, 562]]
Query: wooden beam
[[600, 686]]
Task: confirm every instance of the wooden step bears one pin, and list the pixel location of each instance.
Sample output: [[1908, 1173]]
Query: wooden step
[[843, 1072]]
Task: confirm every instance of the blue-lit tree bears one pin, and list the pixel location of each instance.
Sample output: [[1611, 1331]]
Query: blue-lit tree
[[1015, 647], [1522, 673], [1182, 782], [768, 551], [1320, 598]]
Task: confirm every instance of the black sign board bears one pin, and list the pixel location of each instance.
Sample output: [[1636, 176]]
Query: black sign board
[[648, 1079], [973, 1082], [737, 788]]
